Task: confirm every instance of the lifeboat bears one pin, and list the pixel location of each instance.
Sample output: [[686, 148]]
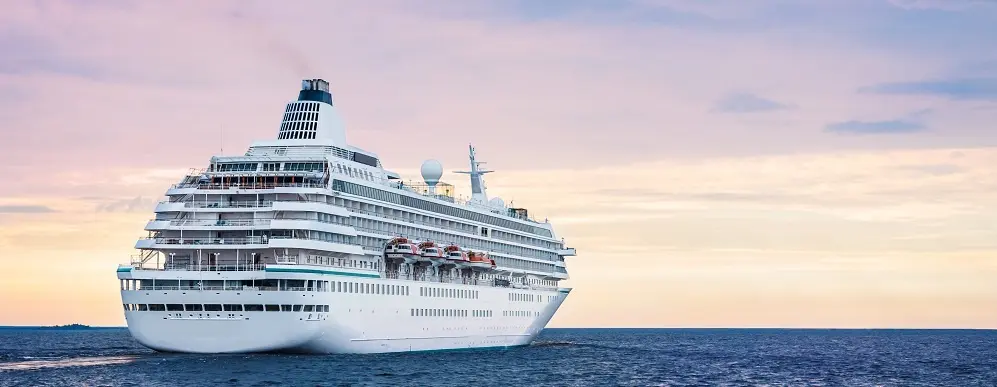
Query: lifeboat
[[480, 261], [457, 257], [402, 248], [429, 251]]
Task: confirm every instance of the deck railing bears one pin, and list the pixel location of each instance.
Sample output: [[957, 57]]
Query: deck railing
[[220, 222], [389, 274], [260, 185], [228, 204], [210, 241]]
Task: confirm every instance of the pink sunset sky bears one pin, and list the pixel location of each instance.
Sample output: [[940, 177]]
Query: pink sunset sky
[[776, 163]]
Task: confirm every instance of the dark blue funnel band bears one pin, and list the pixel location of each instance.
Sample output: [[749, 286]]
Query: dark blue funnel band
[[315, 95]]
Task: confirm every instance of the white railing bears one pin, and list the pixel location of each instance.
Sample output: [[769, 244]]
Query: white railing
[[227, 204], [260, 185], [210, 241], [220, 222], [388, 274], [242, 266], [336, 222], [286, 259]]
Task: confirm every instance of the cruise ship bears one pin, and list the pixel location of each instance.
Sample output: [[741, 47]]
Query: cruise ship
[[306, 244]]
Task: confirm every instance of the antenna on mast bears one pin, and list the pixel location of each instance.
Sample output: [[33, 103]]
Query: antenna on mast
[[478, 189]]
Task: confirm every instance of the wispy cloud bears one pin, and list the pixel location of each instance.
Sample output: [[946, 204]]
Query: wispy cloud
[[950, 5], [933, 169], [24, 209], [875, 127], [747, 103], [136, 204], [909, 123], [958, 89]]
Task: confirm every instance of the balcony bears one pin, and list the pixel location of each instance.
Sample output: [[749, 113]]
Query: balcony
[[159, 225], [566, 252], [229, 204], [235, 185], [147, 243]]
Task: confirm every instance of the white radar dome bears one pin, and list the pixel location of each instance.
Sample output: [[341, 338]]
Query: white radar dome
[[432, 171], [496, 203]]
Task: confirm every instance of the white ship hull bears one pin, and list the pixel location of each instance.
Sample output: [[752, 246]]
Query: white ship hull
[[355, 322]]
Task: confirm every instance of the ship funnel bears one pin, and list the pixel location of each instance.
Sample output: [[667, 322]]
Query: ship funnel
[[312, 118]]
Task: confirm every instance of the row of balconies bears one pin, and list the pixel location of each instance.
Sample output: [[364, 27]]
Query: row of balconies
[[249, 224]]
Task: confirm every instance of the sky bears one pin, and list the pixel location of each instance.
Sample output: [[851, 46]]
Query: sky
[[772, 163]]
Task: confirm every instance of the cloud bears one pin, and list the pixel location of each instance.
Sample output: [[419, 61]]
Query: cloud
[[24, 209], [875, 127], [136, 204], [933, 169], [746, 103], [956, 89], [615, 88], [828, 225], [949, 5]]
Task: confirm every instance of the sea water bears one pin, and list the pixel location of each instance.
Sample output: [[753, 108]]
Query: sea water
[[560, 357]]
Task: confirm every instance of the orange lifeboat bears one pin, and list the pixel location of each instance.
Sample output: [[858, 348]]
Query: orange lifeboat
[[402, 248], [456, 256], [430, 252], [480, 261]]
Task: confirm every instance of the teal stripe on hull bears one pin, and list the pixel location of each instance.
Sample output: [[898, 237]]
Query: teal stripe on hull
[[124, 269], [319, 271]]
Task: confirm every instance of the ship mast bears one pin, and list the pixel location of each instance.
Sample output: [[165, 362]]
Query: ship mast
[[478, 190]]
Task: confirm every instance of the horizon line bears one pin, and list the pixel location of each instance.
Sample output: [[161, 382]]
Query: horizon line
[[84, 326]]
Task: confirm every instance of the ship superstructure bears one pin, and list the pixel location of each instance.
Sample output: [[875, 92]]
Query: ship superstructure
[[307, 244]]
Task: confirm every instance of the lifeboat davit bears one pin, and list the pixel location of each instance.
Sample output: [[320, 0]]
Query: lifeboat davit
[[480, 261], [457, 257], [429, 251], [402, 248]]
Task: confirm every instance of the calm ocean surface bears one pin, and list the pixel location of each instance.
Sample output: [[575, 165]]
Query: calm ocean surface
[[561, 357]]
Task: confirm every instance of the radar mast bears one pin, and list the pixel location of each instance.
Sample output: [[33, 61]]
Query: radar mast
[[478, 190]]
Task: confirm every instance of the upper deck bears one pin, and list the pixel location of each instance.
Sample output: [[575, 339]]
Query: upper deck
[[250, 174]]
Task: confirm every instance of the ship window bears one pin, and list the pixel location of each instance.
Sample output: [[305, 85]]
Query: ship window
[[273, 308], [212, 307], [311, 167], [296, 308], [233, 307], [193, 307], [254, 308], [308, 308], [157, 307], [236, 167], [174, 307]]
